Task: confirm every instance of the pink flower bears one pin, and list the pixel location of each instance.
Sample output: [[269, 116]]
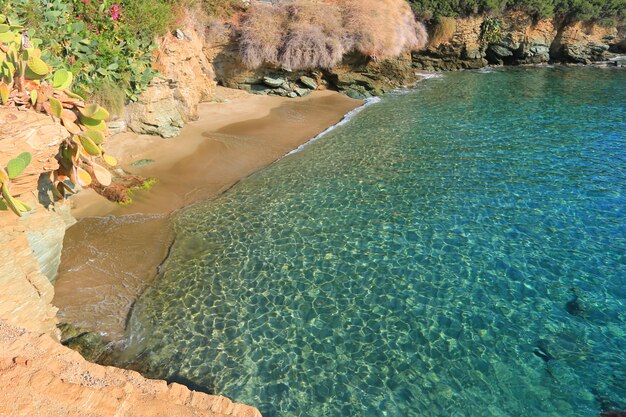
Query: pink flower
[[115, 11]]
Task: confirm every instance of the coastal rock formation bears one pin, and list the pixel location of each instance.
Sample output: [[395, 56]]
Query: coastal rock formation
[[26, 131], [360, 77], [41, 377], [523, 41], [185, 80], [584, 42], [30, 246]]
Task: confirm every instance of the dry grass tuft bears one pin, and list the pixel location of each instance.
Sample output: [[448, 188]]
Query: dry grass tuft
[[261, 35], [301, 34], [443, 32]]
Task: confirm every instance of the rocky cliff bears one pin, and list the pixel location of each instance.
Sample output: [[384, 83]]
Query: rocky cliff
[[185, 79], [30, 246], [522, 41], [40, 377]]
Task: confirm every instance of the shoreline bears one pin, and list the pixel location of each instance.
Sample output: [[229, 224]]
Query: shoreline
[[112, 254]]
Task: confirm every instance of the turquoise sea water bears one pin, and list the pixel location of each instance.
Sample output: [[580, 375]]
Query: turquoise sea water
[[455, 250]]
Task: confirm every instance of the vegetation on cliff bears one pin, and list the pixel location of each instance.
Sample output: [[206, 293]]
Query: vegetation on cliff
[[28, 82], [301, 34], [96, 40], [602, 10]]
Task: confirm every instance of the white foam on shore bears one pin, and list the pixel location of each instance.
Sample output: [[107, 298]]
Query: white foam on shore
[[428, 75], [346, 118]]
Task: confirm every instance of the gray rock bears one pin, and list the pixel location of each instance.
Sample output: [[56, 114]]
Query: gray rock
[[179, 34], [142, 163], [302, 91], [89, 344], [539, 50], [292, 94], [355, 94], [286, 85], [117, 126], [308, 82], [273, 82], [259, 89], [500, 51], [157, 112]]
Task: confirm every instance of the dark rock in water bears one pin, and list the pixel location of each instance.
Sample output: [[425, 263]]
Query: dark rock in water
[[609, 407], [68, 331], [574, 306], [613, 413], [89, 344], [541, 351]]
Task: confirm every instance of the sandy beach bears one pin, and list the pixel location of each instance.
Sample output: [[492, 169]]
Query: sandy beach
[[112, 254]]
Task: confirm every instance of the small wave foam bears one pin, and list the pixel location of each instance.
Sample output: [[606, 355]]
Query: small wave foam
[[429, 75], [346, 118]]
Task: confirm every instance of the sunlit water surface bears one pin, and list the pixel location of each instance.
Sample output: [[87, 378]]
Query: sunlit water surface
[[455, 250]]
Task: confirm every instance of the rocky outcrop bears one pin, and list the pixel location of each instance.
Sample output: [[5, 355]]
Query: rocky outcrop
[[40, 377], [584, 43], [27, 131], [523, 41], [360, 77], [30, 246], [185, 80]]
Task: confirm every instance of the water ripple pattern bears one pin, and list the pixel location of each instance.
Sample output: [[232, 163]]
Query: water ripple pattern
[[458, 250]]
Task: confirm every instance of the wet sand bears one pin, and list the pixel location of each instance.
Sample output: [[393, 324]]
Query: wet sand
[[112, 254]]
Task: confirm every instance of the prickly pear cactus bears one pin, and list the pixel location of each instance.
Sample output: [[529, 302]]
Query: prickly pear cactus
[[13, 169], [26, 81]]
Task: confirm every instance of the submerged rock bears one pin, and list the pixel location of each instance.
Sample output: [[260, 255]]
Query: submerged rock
[[89, 344], [541, 350]]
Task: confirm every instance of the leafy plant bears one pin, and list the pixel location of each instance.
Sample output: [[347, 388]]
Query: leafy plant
[[491, 30], [27, 82], [567, 9], [13, 169], [93, 39]]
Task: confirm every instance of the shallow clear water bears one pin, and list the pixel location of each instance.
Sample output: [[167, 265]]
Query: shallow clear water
[[417, 261]]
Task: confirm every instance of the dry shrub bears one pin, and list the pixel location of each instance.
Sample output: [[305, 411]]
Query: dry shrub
[[310, 47], [443, 32], [382, 28], [261, 35], [315, 35], [301, 34]]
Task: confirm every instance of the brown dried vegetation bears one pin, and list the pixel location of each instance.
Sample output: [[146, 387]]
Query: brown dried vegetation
[[299, 34]]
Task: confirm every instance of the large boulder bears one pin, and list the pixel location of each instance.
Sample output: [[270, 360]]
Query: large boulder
[[172, 98]]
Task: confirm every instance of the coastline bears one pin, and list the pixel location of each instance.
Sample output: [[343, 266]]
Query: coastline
[[112, 254]]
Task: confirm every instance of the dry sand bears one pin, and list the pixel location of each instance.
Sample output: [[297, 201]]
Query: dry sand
[[111, 255]]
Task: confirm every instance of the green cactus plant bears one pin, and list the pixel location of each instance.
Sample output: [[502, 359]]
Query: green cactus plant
[[13, 169], [26, 81], [491, 30]]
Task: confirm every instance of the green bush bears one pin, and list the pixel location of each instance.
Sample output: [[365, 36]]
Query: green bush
[[92, 39], [567, 9]]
